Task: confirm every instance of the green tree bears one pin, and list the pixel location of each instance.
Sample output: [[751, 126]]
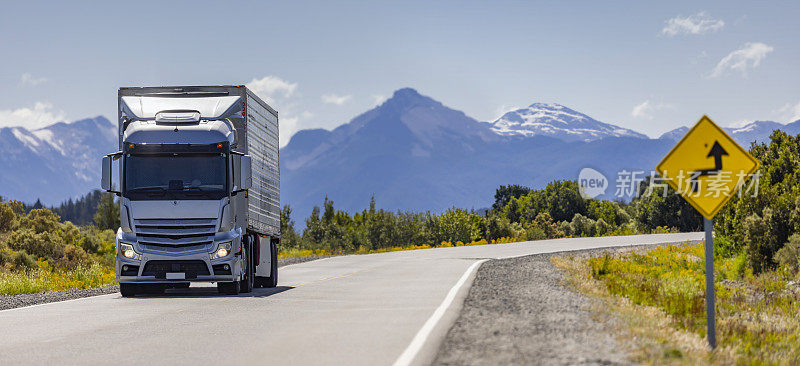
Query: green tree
[[7, 217], [789, 256], [289, 237], [107, 215], [654, 208], [762, 218], [454, 225], [504, 194]]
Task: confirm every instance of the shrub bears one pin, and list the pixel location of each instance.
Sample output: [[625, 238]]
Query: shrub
[[789, 256], [40, 220], [496, 226], [91, 244], [601, 227], [23, 260], [534, 232], [652, 208], [761, 245], [740, 265], [565, 227], [456, 224], [73, 257], [16, 260], [38, 244], [761, 223], [550, 229], [7, 217], [582, 226]]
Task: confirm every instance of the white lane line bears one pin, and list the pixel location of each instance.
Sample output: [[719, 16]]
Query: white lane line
[[422, 335]]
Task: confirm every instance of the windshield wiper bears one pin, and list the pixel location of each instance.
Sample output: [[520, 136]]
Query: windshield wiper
[[203, 192], [150, 189]]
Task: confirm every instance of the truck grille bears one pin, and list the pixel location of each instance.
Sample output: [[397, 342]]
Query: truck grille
[[191, 268], [175, 236]]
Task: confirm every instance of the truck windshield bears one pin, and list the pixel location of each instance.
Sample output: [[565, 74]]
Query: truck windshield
[[175, 176]]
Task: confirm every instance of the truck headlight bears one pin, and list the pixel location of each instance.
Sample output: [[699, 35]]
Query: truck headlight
[[223, 250], [126, 251]]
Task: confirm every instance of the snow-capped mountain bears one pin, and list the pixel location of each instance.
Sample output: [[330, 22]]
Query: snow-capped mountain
[[757, 131], [558, 121], [413, 153], [675, 134], [56, 162]]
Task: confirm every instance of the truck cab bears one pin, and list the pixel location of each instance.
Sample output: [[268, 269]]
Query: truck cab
[[193, 208]]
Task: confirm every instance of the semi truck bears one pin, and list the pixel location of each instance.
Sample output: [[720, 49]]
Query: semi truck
[[198, 186]]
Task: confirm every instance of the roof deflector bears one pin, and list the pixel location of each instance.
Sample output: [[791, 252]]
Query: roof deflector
[[177, 116]]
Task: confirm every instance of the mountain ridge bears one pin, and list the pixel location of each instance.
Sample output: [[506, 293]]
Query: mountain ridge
[[411, 152], [56, 162]]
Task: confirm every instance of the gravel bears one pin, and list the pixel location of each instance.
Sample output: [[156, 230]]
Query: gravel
[[518, 313], [18, 301]]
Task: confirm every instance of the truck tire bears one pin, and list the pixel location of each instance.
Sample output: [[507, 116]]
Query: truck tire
[[128, 289], [152, 289], [272, 280], [229, 288], [249, 272]]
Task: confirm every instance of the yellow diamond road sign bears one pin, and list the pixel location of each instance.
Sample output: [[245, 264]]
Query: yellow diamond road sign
[[707, 167]]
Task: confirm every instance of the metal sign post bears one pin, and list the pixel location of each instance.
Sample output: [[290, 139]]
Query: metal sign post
[[710, 296]]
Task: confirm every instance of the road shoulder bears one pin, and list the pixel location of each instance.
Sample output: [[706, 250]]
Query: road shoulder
[[519, 312]]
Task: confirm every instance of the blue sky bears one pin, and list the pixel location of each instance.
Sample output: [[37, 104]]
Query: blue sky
[[648, 66]]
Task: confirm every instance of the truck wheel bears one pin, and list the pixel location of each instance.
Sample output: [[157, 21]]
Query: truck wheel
[[229, 288], [153, 289], [128, 289], [249, 273]]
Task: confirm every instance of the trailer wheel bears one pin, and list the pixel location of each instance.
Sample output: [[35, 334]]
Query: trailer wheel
[[249, 272], [128, 289], [272, 280]]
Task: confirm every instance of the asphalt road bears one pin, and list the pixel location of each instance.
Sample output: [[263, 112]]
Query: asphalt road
[[376, 309]]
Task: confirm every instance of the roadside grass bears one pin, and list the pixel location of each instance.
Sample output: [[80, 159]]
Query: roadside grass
[[659, 295], [46, 279], [292, 253]]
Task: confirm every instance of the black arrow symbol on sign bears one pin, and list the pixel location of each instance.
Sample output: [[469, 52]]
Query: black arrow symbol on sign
[[717, 151]]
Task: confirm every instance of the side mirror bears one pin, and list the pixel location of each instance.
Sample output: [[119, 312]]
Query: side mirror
[[246, 178], [105, 179], [242, 171]]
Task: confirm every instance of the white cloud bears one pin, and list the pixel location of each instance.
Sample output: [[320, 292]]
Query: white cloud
[[789, 112], [40, 115], [272, 88], [747, 57], [646, 109], [336, 99], [378, 99], [29, 80], [699, 23], [285, 98]]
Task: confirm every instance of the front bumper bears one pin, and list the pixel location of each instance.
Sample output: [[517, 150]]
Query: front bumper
[[197, 266], [166, 269]]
